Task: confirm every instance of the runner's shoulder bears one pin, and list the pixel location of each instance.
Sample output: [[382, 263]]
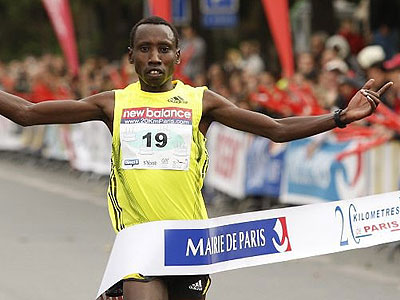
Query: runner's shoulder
[[212, 100], [103, 99]]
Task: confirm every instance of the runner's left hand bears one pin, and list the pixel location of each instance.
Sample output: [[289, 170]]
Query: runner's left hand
[[364, 102]]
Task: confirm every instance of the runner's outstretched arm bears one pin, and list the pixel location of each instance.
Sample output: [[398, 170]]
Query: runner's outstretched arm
[[25, 113], [217, 108]]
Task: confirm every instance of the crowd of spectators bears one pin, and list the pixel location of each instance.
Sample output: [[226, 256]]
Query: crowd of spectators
[[326, 76], [45, 78]]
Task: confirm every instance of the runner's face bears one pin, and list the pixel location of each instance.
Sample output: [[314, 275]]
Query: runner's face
[[154, 55]]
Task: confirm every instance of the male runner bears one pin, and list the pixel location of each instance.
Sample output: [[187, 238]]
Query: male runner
[[158, 149]]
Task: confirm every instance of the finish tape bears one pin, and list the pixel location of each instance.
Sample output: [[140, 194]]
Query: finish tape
[[189, 247]]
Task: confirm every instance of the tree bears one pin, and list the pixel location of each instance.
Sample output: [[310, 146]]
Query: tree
[[102, 27]]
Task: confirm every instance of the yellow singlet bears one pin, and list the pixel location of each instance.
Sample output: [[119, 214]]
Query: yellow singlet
[[159, 157]]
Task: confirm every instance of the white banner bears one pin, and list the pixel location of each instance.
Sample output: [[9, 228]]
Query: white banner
[[384, 168], [91, 144], [10, 136], [227, 148], [236, 241]]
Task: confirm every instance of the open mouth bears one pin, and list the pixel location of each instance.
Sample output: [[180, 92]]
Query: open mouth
[[154, 73]]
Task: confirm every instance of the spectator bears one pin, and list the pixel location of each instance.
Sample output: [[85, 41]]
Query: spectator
[[193, 49], [339, 44], [42, 86], [252, 62], [371, 61], [346, 89], [233, 61], [317, 45], [306, 65], [216, 78], [355, 40], [388, 39], [326, 56], [238, 93], [392, 68]]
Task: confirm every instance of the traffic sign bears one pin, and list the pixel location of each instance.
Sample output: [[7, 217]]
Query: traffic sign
[[219, 13]]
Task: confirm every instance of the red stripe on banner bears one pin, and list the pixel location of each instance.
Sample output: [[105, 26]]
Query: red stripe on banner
[[386, 117], [363, 147], [61, 19], [161, 8], [358, 151], [277, 13]]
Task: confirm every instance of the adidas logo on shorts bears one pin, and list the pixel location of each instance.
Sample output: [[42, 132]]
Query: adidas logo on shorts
[[196, 286]]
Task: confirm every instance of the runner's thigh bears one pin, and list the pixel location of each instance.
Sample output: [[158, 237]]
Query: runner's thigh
[[152, 290]]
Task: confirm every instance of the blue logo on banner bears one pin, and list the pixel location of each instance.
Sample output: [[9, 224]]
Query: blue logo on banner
[[190, 247], [316, 176], [264, 168]]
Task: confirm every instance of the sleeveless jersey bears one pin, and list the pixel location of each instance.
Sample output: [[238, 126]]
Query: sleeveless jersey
[[159, 158]]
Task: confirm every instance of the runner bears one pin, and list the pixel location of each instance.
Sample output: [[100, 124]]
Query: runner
[[158, 149]]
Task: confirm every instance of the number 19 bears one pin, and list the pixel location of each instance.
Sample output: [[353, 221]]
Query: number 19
[[161, 139]]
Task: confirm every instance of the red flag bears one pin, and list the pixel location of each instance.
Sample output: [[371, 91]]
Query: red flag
[[161, 8], [277, 13], [60, 17]]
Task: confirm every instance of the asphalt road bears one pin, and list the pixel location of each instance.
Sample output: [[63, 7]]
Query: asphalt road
[[55, 238]]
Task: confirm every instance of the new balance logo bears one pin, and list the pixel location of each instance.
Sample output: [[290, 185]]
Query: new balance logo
[[177, 99], [196, 286]]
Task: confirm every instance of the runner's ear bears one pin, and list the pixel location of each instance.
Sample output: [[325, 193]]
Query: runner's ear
[[130, 55], [178, 56]]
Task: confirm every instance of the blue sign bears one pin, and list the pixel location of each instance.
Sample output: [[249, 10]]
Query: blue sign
[[219, 13], [181, 12], [219, 6], [264, 168], [191, 247], [214, 20]]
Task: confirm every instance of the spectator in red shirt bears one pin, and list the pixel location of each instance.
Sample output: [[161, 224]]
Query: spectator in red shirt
[[354, 38]]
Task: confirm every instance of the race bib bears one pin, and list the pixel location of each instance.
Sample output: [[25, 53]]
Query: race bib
[[156, 138]]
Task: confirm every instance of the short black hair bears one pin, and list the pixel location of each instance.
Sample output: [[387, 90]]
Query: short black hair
[[157, 21]]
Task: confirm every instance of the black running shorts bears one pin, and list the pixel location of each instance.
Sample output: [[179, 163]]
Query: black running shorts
[[179, 287]]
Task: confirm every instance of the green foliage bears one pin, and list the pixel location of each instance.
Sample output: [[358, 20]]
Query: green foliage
[[102, 27], [25, 29]]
